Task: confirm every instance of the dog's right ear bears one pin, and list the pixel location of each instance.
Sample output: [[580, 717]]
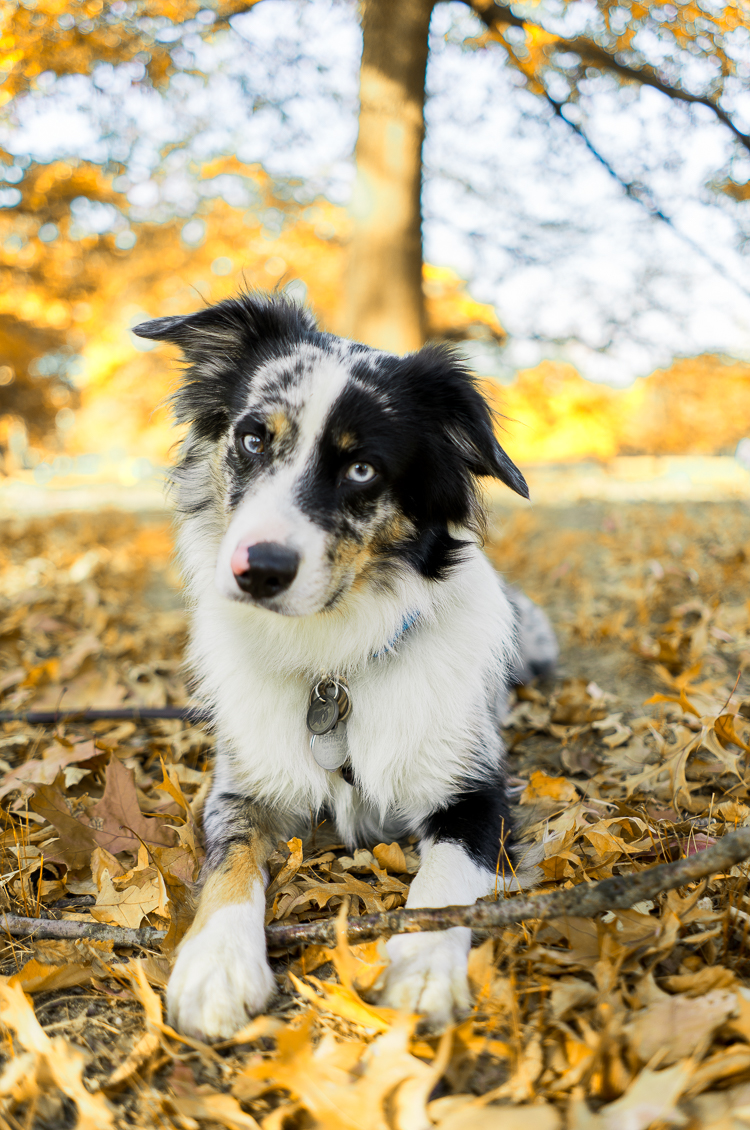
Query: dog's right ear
[[231, 326]]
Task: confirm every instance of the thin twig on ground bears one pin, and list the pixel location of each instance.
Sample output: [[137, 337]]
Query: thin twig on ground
[[583, 901]]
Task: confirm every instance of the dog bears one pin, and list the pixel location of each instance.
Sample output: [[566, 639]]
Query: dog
[[351, 640]]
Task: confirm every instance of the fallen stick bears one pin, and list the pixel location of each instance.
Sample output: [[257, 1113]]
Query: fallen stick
[[192, 714], [582, 901], [46, 928]]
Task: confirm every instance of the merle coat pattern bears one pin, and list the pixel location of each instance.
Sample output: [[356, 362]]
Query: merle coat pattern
[[330, 525]]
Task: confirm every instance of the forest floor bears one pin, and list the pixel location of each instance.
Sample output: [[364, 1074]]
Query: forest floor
[[636, 753]]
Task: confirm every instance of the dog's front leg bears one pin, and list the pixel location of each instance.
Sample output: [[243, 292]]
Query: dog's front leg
[[428, 972], [222, 975]]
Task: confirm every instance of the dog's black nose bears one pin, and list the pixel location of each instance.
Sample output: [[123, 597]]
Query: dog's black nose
[[271, 568]]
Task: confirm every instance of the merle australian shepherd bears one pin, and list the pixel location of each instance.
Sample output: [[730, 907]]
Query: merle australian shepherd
[[352, 641]]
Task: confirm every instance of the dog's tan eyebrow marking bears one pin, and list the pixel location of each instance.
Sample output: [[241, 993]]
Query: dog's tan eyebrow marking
[[346, 441], [279, 424]]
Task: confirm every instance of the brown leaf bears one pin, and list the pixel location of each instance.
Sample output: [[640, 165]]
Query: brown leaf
[[128, 907], [215, 1107], [390, 857], [115, 822], [117, 819], [675, 1027], [40, 977], [44, 771], [77, 839], [702, 981], [290, 868], [55, 1059]]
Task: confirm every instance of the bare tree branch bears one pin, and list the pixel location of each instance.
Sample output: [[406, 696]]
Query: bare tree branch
[[641, 195], [492, 14], [582, 901]]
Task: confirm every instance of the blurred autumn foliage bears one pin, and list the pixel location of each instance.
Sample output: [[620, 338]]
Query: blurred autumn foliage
[[699, 405], [67, 302], [73, 381]]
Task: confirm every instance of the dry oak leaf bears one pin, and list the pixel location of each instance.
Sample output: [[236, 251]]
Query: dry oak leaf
[[41, 977], [677, 1026], [214, 1107], [346, 1003], [651, 1097], [703, 981], [49, 1061], [130, 906], [120, 825], [351, 1085], [115, 822], [322, 893], [44, 771]]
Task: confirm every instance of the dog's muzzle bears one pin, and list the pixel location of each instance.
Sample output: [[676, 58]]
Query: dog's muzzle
[[264, 570]]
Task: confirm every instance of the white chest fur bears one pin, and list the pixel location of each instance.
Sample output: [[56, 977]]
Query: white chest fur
[[421, 715]]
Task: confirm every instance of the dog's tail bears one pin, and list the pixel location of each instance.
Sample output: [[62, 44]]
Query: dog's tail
[[538, 650]]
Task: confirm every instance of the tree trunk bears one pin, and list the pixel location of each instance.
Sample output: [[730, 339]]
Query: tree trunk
[[384, 301]]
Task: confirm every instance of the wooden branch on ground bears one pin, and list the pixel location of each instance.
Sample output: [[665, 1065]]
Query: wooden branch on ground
[[192, 714], [583, 901], [147, 937]]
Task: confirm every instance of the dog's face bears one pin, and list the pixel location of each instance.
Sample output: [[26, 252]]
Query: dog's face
[[337, 464]]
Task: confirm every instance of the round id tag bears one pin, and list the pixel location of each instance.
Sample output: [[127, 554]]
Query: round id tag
[[322, 715], [331, 750]]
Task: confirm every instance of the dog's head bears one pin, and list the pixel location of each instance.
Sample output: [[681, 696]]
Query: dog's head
[[336, 463]]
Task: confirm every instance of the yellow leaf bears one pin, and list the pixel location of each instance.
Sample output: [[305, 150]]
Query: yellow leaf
[[390, 857], [38, 977], [128, 907], [215, 1108], [345, 1003], [541, 785]]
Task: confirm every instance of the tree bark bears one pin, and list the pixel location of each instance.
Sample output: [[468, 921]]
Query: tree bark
[[384, 301]]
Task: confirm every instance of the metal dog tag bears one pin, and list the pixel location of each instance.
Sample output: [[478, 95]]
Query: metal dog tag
[[322, 715], [331, 749]]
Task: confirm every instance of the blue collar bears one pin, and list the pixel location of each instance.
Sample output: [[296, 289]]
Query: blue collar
[[408, 622]]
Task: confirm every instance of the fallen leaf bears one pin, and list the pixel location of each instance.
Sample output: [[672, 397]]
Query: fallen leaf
[[390, 857], [44, 771], [472, 1115], [541, 786], [675, 1027], [215, 1107], [127, 907]]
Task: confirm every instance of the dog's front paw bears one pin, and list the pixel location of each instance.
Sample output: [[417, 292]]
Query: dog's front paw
[[221, 976], [428, 974]]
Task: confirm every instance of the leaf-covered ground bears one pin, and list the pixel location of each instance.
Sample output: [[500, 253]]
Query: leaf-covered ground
[[636, 754]]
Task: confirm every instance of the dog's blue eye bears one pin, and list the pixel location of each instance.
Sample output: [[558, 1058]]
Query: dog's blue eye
[[360, 473], [252, 444]]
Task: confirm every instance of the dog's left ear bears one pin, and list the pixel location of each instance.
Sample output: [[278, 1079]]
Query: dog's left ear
[[231, 324], [470, 430]]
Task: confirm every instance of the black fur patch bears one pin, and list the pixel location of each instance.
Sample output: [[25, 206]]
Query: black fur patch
[[478, 819], [419, 420]]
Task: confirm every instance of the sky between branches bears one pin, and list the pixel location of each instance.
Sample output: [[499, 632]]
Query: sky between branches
[[513, 199]]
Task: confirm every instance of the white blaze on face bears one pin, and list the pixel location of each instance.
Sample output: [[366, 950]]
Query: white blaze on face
[[269, 512]]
